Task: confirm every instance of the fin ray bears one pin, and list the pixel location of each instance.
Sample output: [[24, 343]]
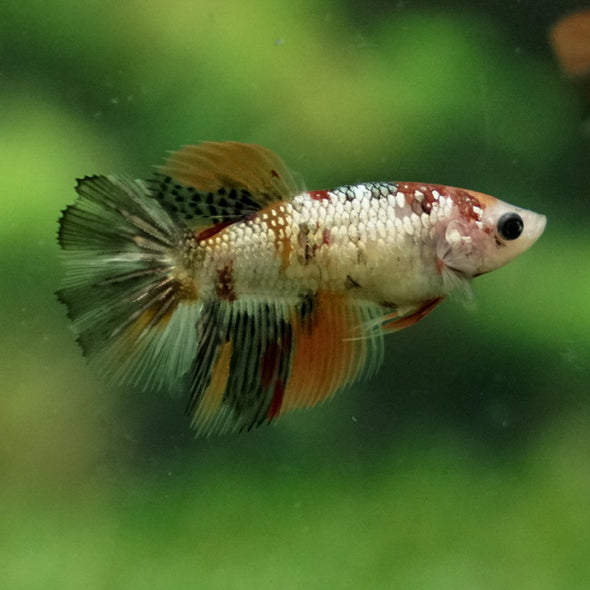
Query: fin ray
[[216, 182], [130, 299], [257, 360]]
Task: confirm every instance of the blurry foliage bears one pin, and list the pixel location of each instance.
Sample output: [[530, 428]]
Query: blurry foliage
[[360, 492]]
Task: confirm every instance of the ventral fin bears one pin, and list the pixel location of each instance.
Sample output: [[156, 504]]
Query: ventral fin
[[402, 319], [259, 359], [220, 182]]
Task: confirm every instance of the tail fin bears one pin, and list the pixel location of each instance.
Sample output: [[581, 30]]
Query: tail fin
[[132, 300]]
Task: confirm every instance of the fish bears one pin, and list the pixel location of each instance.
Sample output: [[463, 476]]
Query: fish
[[222, 279]]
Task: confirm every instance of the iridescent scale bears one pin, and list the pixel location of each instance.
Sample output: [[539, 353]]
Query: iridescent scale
[[374, 240]]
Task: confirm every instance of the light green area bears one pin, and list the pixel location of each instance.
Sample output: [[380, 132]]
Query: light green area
[[434, 515], [463, 464]]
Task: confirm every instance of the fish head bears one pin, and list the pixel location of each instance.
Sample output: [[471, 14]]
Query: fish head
[[489, 235], [509, 231]]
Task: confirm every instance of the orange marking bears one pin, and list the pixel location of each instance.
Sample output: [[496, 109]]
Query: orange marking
[[213, 396], [232, 165], [282, 242], [398, 324], [324, 357], [482, 199], [145, 319]]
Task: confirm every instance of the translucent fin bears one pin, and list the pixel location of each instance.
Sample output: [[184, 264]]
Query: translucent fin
[[458, 259], [326, 358], [396, 321], [256, 360], [132, 302], [216, 182]]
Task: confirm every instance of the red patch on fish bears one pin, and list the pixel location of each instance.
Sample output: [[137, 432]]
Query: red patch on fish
[[429, 199], [270, 367], [319, 195], [225, 285], [277, 401], [466, 203], [420, 197], [214, 229]]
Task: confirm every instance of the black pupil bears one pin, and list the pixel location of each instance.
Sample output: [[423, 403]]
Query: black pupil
[[510, 226]]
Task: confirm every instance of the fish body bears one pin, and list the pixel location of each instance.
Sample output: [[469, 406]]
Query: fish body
[[345, 241], [221, 277]]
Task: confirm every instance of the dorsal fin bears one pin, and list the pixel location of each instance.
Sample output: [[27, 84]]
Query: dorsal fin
[[216, 182]]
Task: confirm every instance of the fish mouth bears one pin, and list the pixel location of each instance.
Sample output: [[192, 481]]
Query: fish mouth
[[535, 227]]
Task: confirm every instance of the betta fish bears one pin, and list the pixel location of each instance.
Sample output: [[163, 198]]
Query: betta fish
[[220, 278]]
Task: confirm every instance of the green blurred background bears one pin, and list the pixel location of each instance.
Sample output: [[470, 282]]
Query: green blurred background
[[464, 464]]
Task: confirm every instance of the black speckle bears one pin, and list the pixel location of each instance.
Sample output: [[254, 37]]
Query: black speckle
[[221, 191], [248, 202], [209, 199], [306, 307], [351, 283]]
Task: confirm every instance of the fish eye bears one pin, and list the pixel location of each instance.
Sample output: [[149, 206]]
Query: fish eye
[[510, 226]]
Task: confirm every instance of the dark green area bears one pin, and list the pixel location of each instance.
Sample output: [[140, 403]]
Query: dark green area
[[463, 464]]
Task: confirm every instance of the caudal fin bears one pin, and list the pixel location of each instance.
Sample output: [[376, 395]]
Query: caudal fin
[[132, 301]]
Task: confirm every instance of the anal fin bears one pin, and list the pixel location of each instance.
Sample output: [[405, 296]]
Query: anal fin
[[257, 360]]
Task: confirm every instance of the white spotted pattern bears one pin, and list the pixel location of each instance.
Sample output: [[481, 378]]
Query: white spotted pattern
[[366, 235]]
